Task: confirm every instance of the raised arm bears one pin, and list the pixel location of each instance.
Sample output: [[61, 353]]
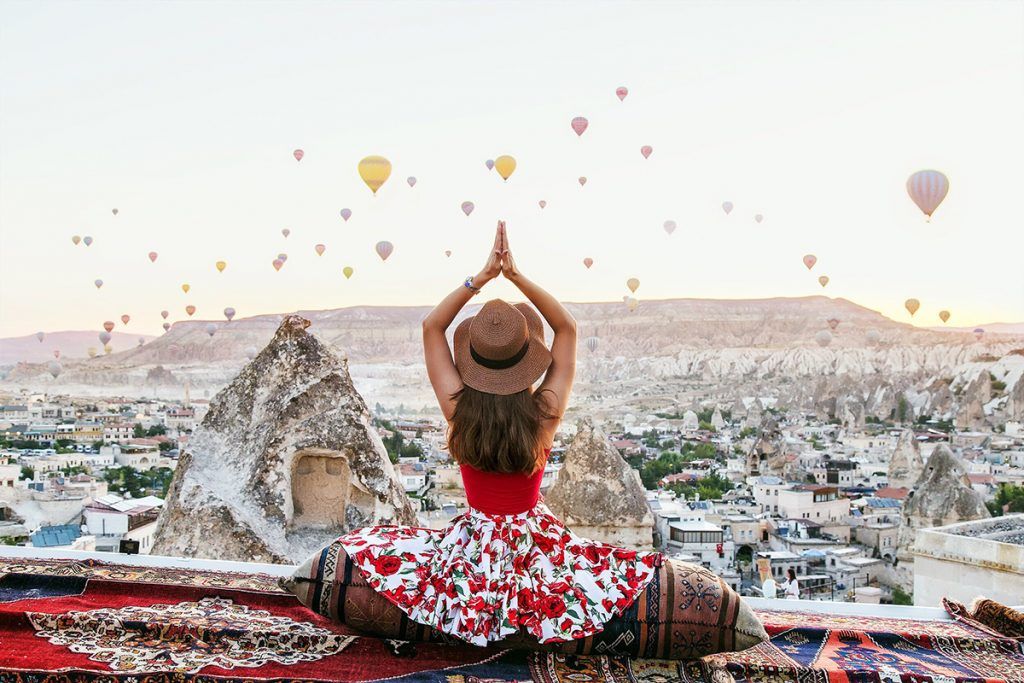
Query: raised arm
[[444, 377], [557, 382]]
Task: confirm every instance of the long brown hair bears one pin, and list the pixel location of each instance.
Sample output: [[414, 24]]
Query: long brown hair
[[497, 433]]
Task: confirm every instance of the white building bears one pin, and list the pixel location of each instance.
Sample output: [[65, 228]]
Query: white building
[[703, 540], [112, 519], [816, 503]]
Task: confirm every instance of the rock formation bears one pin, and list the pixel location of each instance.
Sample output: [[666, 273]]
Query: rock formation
[[598, 495], [717, 421], [905, 464], [767, 455], [971, 414], [942, 495], [284, 461]]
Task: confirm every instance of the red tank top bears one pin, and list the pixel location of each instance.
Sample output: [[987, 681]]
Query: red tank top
[[500, 493]]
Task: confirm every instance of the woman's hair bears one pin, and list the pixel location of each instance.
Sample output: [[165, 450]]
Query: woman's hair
[[791, 573], [497, 433]]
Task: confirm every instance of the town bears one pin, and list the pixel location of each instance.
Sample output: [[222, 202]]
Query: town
[[750, 490]]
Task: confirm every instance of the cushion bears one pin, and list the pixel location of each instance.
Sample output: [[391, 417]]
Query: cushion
[[686, 612]]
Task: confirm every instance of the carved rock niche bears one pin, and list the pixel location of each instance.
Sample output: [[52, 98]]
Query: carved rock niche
[[321, 483]]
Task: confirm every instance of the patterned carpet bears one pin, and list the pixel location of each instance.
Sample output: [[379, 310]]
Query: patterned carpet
[[86, 621]]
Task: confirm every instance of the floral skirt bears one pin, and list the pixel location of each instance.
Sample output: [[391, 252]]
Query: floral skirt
[[485, 577]]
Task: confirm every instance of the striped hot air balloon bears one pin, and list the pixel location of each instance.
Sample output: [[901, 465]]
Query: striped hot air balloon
[[927, 189]]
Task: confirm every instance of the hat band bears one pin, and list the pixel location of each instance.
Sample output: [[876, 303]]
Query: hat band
[[502, 364]]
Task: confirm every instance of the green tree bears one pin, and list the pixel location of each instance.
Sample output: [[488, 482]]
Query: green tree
[[902, 410], [901, 597], [1008, 497], [138, 431], [156, 430], [27, 473]]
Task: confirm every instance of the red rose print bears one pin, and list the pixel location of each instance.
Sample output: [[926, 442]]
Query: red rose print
[[621, 554], [559, 587], [387, 564], [552, 606], [590, 552], [566, 625]]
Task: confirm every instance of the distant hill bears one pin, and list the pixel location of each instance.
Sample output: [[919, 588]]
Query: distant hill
[[71, 343], [990, 328]]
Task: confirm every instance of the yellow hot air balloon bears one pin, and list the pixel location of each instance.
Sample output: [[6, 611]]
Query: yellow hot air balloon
[[221, 265], [505, 165], [185, 287], [347, 270], [912, 305], [374, 171], [633, 284], [944, 316]]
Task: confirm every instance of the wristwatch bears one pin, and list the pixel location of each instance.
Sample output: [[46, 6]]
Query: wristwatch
[[468, 284]]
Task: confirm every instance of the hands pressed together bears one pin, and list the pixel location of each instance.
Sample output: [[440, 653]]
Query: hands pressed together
[[500, 261]]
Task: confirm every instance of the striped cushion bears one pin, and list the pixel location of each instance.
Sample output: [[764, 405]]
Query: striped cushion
[[686, 612]]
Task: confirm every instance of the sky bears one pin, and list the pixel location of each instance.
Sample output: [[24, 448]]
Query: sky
[[184, 116]]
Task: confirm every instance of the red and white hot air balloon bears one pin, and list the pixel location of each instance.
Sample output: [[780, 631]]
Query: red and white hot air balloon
[[125, 318], [448, 253], [286, 232], [927, 189], [190, 309], [810, 260], [542, 203], [646, 150], [167, 326], [384, 249], [582, 180], [152, 256], [277, 263], [108, 325], [346, 214], [833, 323], [320, 249], [621, 92], [56, 353], [669, 226], [587, 262], [579, 124], [467, 207], [164, 314], [298, 154]]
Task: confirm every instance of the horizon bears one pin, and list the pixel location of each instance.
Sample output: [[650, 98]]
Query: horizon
[[189, 133]]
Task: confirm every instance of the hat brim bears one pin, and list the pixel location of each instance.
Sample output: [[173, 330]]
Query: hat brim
[[505, 381]]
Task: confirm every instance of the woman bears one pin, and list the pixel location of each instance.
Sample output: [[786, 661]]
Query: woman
[[791, 588], [507, 564]]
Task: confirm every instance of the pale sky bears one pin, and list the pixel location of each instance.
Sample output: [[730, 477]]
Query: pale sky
[[184, 115]]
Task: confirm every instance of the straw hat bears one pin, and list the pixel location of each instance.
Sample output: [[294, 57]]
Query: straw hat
[[501, 349]]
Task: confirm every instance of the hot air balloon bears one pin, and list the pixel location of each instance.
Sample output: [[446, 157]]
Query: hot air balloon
[[113, 211], [633, 284], [283, 257], [229, 313], [489, 164], [979, 333], [141, 341], [823, 280], [411, 180], [944, 316], [384, 249], [591, 343], [646, 150], [824, 338], [190, 309], [185, 287], [927, 189], [727, 207], [298, 154], [152, 257], [56, 353], [542, 203], [54, 368], [582, 180], [167, 326], [346, 214], [107, 348], [40, 336], [250, 352], [448, 253], [278, 263], [467, 207], [873, 337], [221, 265], [579, 124], [164, 314], [88, 240], [621, 92], [505, 165], [669, 226], [758, 218], [374, 171], [125, 318], [912, 305], [108, 325], [810, 260], [76, 239], [98, 283], [587, 262], [286, 232], [347, 270], [104, 337], [211, 329], [320, 249], [833, 323], [632, 303], [91, 351]]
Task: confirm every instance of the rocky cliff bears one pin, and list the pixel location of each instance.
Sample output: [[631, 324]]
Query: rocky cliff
[[284, 461], [905, 464], [598, 495]]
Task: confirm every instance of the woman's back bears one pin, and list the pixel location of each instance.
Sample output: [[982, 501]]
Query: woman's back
[[501, 493]]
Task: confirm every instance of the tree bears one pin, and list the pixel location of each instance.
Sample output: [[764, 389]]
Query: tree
[[156, 430], [902, 408], [901, 597], [27, 473], [1009, 498], [138, 431]]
